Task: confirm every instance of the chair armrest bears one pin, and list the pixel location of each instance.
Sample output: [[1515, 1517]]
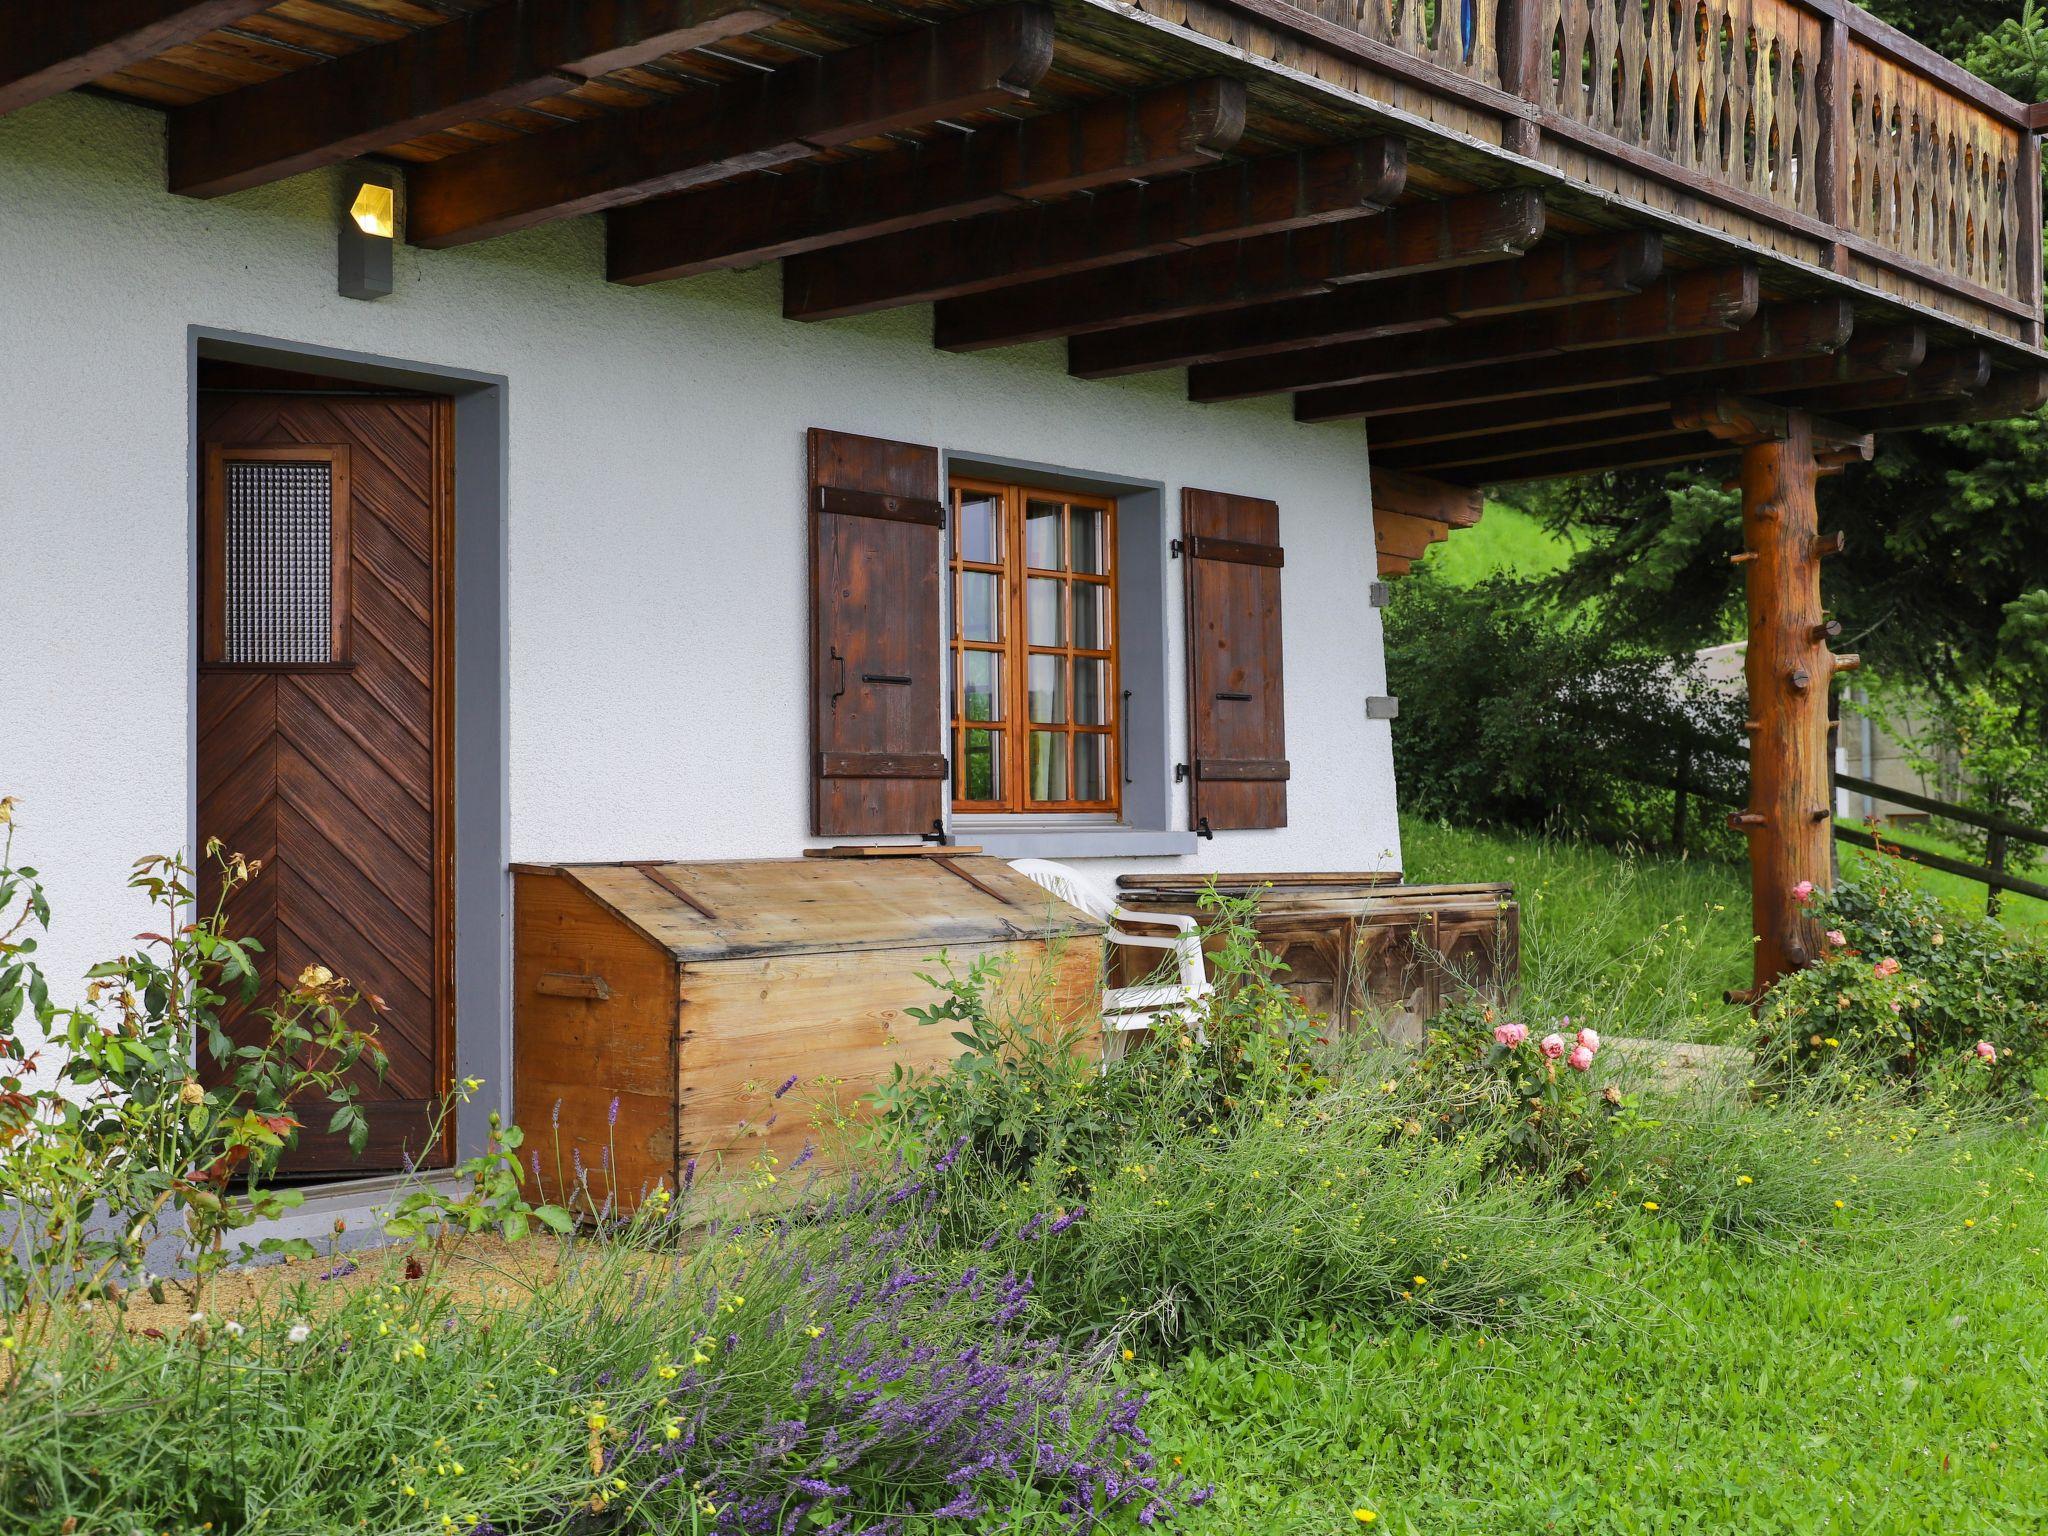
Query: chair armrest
[[1155, 919]]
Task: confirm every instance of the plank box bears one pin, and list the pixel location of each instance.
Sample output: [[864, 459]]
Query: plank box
[[685, 994]]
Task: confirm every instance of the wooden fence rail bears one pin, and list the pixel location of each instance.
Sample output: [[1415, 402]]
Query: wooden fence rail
[[1991, 874]]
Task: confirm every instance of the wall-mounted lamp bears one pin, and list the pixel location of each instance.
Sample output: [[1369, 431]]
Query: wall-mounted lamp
[[368, 231]]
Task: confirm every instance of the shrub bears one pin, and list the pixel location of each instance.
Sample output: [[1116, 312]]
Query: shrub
[[1907, 989], [1337, 1205], [123, 1138], [831, 1372], [1483, 1069], [1511, 713], [1029, 1095]]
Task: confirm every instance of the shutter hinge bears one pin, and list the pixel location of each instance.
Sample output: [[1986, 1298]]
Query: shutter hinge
[[1177, 547], [1202, 828], [1180, 773]]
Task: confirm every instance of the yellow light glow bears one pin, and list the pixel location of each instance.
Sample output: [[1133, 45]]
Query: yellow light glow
[[375, 211]]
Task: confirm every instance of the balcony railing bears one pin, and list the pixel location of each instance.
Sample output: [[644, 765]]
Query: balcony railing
[[1807, 115]]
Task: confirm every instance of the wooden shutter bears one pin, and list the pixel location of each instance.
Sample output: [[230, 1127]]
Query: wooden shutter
[[1237, 734], [877, 736]]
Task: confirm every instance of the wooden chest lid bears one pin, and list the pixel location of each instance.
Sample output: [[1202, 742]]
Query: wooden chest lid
[[741, 908]]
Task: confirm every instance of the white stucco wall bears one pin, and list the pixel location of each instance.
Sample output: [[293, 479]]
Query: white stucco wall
[[656, 540]]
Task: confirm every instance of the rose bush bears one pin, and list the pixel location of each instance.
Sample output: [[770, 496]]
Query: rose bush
[[1905, 988]]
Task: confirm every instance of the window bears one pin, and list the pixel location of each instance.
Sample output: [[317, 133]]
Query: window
[[275, 525], [1033, 650]]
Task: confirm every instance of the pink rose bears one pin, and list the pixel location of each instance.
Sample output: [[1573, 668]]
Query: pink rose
[[1589, 1041], [1986, 1051], [1837, 938], [1581, 1058], [1511, 1035], [1553, 1046], [1885, 967], [1803, 892]]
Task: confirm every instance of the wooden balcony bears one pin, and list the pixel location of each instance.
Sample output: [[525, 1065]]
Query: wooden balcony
[[1520, 238], [1807, 129]]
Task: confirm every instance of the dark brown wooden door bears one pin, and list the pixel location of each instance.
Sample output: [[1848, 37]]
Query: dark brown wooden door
[[323, 723]]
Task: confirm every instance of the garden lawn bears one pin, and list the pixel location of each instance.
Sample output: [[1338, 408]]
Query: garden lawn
[[1506, 540], [1636, 944], [1898, 1385]]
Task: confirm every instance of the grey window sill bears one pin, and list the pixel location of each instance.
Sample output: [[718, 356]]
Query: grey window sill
[[1078, 842]]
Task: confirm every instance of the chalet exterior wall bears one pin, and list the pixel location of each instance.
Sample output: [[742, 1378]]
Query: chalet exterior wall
[[656, 595]]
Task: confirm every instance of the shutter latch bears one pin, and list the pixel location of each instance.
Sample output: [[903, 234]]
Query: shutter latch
[[1202, 828], [1177, 547]]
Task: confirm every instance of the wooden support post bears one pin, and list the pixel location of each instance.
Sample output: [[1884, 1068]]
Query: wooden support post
[[1789, 772]]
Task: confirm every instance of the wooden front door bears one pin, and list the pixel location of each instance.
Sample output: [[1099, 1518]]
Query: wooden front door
[[324, 725]]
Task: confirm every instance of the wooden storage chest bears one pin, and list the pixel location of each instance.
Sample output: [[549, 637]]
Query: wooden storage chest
[[1365, 949], [686, 994]]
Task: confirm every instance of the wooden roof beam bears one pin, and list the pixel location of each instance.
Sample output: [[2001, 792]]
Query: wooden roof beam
[[499, 57], [1454, 506], [1175, 128], [1742, 420], [1876, 358], [1599, 458], [963, 64], [1202, 207], [1417, 237], [1783, 333], [1472, 457], [1946, 375], [1552, 274], [2006, 395], [1691, 304], [48, 49]]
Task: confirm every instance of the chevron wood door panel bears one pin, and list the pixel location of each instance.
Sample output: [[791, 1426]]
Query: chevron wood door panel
[[325, 542]]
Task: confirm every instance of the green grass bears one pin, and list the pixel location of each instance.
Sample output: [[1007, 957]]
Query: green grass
[[1636, 944], [1895, 1387], [1506, 540]]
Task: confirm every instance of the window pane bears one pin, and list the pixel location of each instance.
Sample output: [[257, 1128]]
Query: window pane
[[1084, 535], [980, 602], [1091, 617], [1042, 535], [981, 690], [1048, 690], [280, 576], [1042, 603], [1091, 767], [1091, 690], [981, 766], [1048, 765], [978, 520]]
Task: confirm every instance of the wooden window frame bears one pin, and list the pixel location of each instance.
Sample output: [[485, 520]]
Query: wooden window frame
[[213, 567], [1015, 649]]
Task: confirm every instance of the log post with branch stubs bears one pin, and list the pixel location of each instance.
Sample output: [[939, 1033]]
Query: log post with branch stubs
[[1788, 667]]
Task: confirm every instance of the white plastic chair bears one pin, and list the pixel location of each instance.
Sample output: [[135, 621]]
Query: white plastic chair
[[1126, 1010]]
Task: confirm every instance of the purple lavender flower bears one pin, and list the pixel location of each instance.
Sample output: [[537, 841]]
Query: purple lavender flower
[[787, 1084], [611, 1117]]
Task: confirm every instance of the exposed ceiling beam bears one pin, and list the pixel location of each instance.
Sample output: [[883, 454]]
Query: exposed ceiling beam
[[1691, 304], [1553, 273], [49, 48], [970, 61], [499, 57], [812, 208], [2006, 395], [1404, 535], [1875, 357], [1782, 333], [1467, 456], [1417, 237], [1945, 375], [1124, 224], [1597, 458], [1413, 496]]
